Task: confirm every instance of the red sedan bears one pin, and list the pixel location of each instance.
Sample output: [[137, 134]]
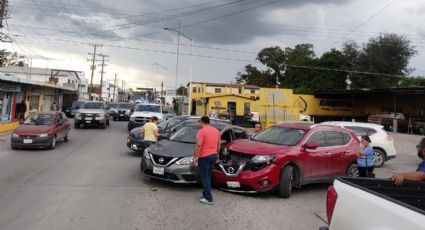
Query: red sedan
[[285, 156], [41, 130]]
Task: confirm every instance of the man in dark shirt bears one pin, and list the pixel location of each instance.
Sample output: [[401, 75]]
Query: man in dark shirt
[[419, 174]]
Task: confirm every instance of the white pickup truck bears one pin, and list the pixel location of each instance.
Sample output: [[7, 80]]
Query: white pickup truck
[[362, 203]]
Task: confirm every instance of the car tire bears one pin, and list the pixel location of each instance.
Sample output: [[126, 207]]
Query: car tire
[[13, 147], [286, 182], [53, 143], [107, 122], [353, 171], [379, 157], [77, 125], [103, 125], [66, 138]]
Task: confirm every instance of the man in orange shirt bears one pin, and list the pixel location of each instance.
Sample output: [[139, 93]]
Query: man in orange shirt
[[206, 154]]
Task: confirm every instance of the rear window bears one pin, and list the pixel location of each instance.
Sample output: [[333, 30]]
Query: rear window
[[346, 138], [371, 131], [359, 131], [333, 138]]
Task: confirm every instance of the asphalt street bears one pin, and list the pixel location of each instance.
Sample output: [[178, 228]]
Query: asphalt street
[[94, 182]]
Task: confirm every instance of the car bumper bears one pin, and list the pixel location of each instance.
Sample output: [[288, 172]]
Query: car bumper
[[179, 174], [121, 116], [249, 181], [37, 142], [135, 145], [92, 121], [390, 158]]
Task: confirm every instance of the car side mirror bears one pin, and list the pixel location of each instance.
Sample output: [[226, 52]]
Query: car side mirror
[[310, 145]]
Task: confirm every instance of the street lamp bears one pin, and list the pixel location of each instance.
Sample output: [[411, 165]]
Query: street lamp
[[177, 65]]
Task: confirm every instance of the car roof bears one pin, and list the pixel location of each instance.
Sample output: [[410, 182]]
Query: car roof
[[347, 123], [222, 126], [295, 125]]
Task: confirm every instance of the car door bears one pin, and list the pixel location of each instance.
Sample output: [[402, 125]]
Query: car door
[[344, 154], [337, 150], [316, 162], [58, 126]]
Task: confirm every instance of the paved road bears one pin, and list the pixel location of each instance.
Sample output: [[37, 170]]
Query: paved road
[[93, 182]]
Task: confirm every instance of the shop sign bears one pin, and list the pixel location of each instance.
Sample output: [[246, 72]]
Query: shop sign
[[10, 88], [218, 106]]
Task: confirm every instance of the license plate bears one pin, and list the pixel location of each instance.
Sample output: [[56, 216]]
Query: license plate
[[158, 170], [27, 141], [233, 184], [88, 122], [88, 118], [121, 115]]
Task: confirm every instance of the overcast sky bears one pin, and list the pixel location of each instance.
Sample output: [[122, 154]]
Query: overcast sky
[[227, 34]]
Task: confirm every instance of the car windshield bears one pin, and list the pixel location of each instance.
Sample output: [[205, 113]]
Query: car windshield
[[76, 104], [170, 123], [186, 134], [40, 119], [113, 105], [125, 106], [281, 136], [149, 108], [92, 105]]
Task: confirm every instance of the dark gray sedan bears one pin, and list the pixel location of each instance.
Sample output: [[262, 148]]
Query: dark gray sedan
[[172, 160]]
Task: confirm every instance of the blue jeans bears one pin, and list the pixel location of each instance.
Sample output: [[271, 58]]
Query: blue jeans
[[205, 166], [148, 143]]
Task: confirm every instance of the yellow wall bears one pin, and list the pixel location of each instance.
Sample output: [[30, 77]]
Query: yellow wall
[[8, 127]]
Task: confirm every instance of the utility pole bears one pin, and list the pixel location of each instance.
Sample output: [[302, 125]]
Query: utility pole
[[101, 74], [92, 67], [3, 4], [178, 51], [122, 90], [115, 85]]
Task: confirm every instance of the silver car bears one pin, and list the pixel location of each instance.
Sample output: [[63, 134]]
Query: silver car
[[172, 159]]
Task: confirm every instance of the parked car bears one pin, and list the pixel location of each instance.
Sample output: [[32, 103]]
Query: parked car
[[363, 203], [382, 142], [142, 113], [387, 120], [285, 156], [70, 111], [92, 113], [122, 112], [165, 129], [172, 160], [41, 130], [113, 107]]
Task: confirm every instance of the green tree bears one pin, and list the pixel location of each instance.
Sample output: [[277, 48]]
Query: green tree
[[182, 91], [254, 76], [412, 81], [386, 54], [11, 59]]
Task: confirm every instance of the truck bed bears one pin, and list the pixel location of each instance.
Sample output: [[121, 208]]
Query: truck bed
[[410, 195]]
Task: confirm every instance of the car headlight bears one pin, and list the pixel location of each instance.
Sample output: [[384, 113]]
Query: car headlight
[[146, 154], [15, 135], [132, 118], [43, 135], [77, 115], [185, 161], [262, 159]]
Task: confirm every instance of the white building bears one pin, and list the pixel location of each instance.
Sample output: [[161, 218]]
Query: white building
[[63, 78]]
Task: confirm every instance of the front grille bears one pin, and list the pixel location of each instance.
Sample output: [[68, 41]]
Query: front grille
[[121, 112], [161, 160], [142, 119], [167, 176], [237, 156], [28, 136]]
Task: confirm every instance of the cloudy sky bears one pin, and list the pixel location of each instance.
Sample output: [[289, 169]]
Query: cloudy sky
[[227, 34]]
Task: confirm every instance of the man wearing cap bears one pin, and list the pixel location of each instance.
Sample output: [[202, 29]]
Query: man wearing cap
[[419, 174], [206, 154]]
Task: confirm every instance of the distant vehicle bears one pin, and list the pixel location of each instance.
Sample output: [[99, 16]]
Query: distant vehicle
[[113, 108], [143, 113], [387, 120], [172, 160], [382, 142], [165, 129], [363, 203], [70, 111], [122, 112], [92, 113], [41, 130], [285, 156]]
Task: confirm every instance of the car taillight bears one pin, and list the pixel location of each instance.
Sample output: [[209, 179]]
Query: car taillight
[[330, 202]]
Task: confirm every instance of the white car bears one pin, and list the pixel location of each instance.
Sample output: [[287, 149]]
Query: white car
[[143, 112], [382, 142]]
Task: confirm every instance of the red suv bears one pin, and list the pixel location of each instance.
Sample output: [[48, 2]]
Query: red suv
[[285, 156]]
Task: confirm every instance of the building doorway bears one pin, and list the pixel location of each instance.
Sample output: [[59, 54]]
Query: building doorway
[[231, 108]]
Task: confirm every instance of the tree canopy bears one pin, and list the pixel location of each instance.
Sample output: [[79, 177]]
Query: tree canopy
[[381, 62], [11, 59]]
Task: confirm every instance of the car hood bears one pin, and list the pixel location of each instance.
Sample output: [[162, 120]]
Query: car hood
[[147, 114], [32, 129], [90, 110], [258, 148], [172, 149]]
